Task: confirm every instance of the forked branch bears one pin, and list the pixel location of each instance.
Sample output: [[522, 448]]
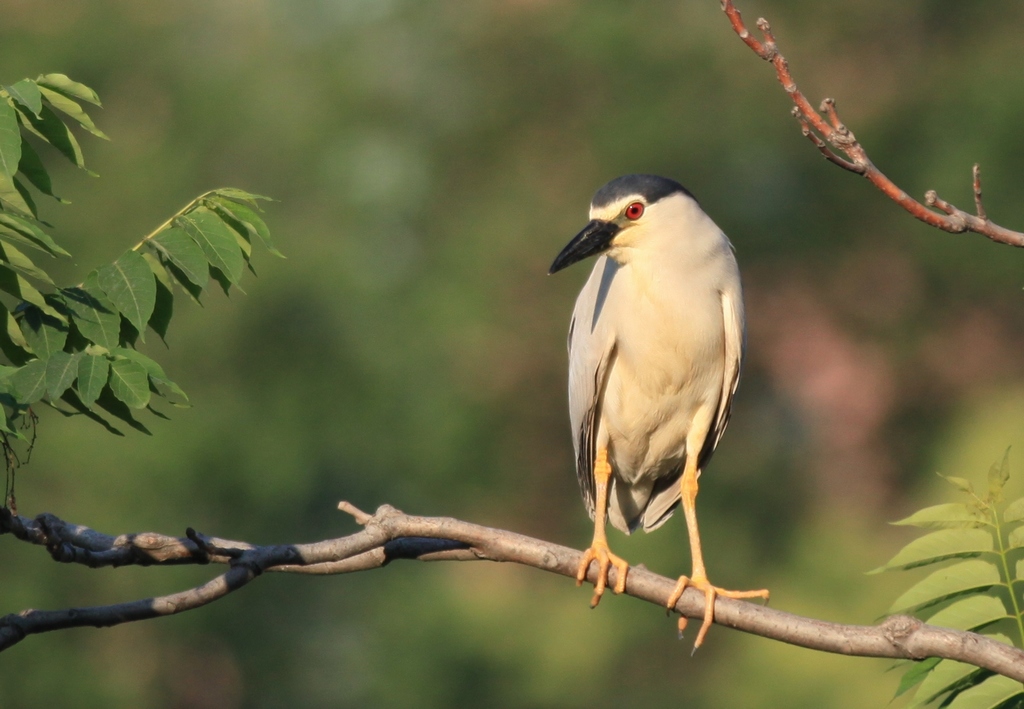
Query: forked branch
[[831, 136], [390, 534]]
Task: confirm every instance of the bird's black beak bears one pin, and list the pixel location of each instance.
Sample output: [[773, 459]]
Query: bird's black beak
[[596, 237]]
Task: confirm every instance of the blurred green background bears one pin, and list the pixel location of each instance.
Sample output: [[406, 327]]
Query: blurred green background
[[430, 159]]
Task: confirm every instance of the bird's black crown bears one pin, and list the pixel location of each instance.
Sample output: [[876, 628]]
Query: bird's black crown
[[651, 187]]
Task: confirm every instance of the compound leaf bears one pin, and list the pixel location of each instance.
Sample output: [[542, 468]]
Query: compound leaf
[[129, 383], [937, 546], [93, 371], [44, 334], [27, 94], [948, 581], [60, 82], [185, 253], [130, 285], [216, 241], [951, 514], [970, 613], [61, 370], [989, 694], [29, 382], [93, 313]]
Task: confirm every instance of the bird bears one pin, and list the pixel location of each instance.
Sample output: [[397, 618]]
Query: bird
[[656, 344]]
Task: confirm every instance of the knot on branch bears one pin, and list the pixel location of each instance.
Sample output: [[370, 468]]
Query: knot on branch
[[769, 51], [898, 629], [383, 518]]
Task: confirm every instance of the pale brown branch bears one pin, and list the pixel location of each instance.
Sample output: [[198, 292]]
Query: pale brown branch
[[835, 133], [390, 534]]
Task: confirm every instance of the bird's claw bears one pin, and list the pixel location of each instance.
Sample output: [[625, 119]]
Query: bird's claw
[[600, 553], [701, 583]]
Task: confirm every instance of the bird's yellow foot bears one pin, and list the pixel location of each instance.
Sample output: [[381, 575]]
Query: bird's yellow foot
[[600, 553], [701, 583]]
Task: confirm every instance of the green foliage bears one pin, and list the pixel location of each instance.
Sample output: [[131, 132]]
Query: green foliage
[[74, 347], [978, 591]]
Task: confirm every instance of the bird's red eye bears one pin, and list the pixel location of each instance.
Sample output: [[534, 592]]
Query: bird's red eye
[[635, 211]]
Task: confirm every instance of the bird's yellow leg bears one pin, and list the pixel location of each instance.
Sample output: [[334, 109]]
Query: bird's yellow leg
[[599, 550], [699, 578]]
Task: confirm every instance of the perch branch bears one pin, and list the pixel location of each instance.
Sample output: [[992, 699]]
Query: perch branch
[[828, 131], [390, 534]]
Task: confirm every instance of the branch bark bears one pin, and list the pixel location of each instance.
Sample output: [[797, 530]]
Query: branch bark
[[390, 534], [828, 131]]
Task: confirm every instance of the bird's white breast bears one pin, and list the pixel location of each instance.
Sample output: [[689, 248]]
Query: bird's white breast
[[664, 306]]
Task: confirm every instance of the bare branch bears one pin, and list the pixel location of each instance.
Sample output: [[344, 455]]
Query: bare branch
[[833, 132], [978, 206], [390, 534]]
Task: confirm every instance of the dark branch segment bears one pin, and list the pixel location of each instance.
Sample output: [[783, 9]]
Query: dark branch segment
[[390, 534], [832, 132]]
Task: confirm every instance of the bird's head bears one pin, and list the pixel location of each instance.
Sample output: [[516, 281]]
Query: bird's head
[[621, 213]]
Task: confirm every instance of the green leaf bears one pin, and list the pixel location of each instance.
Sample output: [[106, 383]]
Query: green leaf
[[117, 408], [961, 484], [194, 291], [60, 82], [970, 613], [942, 679], [952, 514], [946, 582], [915, 674], [34, 170], [26, 197], [12, 342], [937, 546], [93, 371], [160, 320], [185, 253], [29, 382], [251, 220], [27, 94], [1015, 539], [998, 474], [1014, 512], [33, 235], [10, 151], [216, 240], [130, 285], [989, 694], [61, 370], [93, 314], [12, 283], [154, 370], [51, 128], [72, 108], [44, 334], [129, 383], [235, 193], [22, 263]]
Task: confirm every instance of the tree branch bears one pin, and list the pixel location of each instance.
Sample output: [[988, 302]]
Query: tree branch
[[390, 534], [832, 132]]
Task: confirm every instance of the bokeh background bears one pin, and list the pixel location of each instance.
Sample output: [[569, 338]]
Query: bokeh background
[[430, 159]]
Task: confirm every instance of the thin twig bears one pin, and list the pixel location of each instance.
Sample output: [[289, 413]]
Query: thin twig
[[978, 206], [390, 534], [835, 133]]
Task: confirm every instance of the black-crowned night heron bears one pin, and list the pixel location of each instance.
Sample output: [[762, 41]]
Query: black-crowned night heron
[[655, 345]]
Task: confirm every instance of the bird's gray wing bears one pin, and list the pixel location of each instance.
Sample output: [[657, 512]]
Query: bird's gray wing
[[732, 314], [591, 350]]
